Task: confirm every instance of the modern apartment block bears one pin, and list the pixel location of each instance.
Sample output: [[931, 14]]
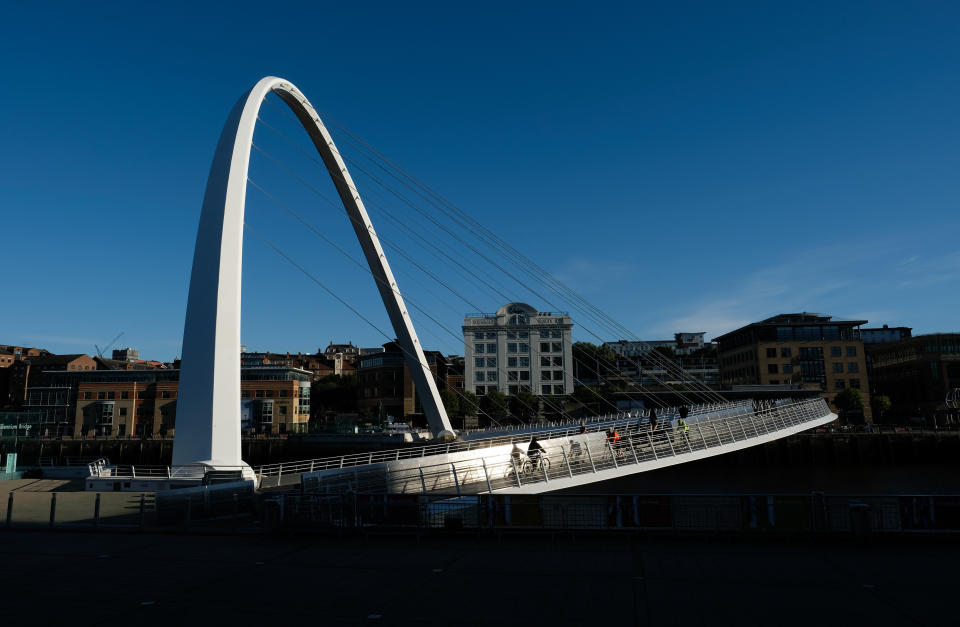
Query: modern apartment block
[[802, 350], [518, 348]]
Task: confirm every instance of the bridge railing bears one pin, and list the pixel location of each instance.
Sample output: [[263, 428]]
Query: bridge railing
[[568, 455], [620, 421]]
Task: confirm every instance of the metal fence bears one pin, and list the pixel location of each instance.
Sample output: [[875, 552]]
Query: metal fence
[[751, 514]]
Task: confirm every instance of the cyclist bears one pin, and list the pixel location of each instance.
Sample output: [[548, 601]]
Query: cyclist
[[534, 451]]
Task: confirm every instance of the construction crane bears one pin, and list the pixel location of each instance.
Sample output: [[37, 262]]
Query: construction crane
[[108, 347]]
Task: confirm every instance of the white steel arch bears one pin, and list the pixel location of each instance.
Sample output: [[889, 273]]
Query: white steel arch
[[208, 404]]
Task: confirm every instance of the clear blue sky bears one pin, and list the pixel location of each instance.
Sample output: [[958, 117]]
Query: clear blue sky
[[685, 166]]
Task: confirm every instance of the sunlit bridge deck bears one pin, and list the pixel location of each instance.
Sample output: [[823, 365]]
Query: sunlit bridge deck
[[571, 458]]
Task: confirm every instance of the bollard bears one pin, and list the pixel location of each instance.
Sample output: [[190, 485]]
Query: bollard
[[143, 498], [53, 508], [96, 512], [9, 508]]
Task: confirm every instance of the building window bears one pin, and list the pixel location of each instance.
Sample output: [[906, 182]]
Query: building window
[[785, 352], [545, 361], [545, 375], [558, 390], [124, 395], [244, 393], [839, 384], [524, 375], [511, 362], [260, 393], [481, 390], [837, 367], [492, 375], [480, 376], [547, 390], [101, 396], [511, 347], [544, 347], [478, 362], [283, 410], [111, 395], [771, 353], [558, 375], [835, 351], [787, 368], [165, 394], [855, 383], [478, 335], [492, 348], [523, 348], [491, 336], [87, 396], [558, 361], [513, 389], [513, 375], [524, 361], [557, 347], [853, 367], [772, 368], [851, 351], [123, 411], [479, 348], [491, 362]]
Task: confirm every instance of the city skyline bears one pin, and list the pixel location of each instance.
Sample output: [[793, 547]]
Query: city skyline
[[735, 185]]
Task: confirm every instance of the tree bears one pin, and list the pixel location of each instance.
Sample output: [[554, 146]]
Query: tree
[[592, 362], [451, 402], [880, 405], [469, 406], [848, 402], [524, 406], [495, 404]]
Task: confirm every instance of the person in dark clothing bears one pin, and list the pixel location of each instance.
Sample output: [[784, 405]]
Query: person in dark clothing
[[653, 419], [583, 427], [534, 451]]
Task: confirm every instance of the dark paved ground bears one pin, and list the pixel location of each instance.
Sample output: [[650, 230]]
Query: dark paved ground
[[78, 579]]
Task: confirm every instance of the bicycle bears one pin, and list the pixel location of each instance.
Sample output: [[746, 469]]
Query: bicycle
[[527, 467]]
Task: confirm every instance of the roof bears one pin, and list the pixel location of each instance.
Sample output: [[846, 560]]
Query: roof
[[48, 360], [795, 320]]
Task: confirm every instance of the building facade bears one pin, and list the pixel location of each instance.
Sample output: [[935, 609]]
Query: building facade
[[917, 374], [518, 348], [885, 334], [803, 350], [143, 402], [385, 386]]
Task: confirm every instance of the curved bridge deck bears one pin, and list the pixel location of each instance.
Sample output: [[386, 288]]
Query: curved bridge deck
[[572, 458]]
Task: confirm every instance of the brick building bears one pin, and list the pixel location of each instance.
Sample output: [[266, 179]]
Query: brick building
[[385, 386], [143, 402]]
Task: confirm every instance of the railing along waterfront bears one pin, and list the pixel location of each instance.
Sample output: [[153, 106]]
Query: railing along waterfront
[[566, 455], [620, 421]]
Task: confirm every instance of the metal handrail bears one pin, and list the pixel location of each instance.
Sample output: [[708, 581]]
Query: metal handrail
[[620, 420], [637, 446]]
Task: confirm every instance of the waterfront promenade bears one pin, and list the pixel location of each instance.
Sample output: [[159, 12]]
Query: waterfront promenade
[[130, 579]]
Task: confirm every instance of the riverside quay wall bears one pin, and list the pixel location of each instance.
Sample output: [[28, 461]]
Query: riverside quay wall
[[828, 450]]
